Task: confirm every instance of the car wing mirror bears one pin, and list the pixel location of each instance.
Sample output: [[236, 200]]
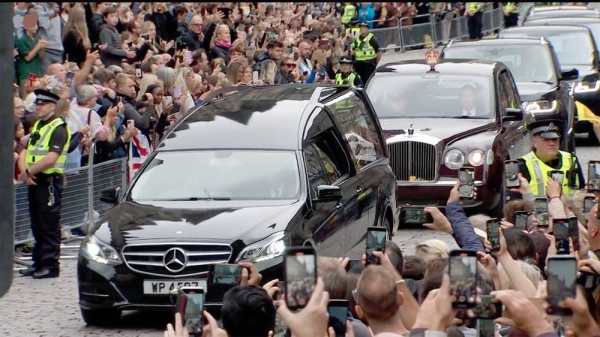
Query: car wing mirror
[[569, 74], [328, 193], [513, 114], [110, 196]]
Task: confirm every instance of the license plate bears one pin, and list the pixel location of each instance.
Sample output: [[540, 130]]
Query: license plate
[[165, 287]]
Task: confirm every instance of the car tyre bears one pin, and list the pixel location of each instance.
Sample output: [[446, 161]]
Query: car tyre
[[101, 317]]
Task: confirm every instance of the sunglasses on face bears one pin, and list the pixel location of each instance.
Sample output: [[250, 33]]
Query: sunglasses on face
[[291, 65]]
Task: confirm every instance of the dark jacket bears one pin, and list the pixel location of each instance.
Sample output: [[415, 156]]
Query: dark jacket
[[95, 21], [166, 25], [221, 52], [260, 59], [182, 29], [73, 46], [113, 54], [463, 232], [192, 41], [141, 122]]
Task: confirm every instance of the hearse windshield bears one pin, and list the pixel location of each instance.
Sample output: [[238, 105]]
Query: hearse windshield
[[527, 63], [218, 175], [431, 95]]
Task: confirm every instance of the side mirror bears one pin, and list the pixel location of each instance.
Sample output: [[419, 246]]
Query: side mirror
[[110, 196], [569, 74], [513, 114], [328, 193]]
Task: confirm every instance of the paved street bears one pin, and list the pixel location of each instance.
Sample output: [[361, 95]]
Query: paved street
[[48, 308]]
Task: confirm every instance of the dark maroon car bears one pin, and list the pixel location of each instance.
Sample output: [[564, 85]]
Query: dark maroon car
[[437, 120]]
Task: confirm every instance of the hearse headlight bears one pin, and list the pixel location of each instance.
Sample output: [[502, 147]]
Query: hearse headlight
[[454, 159], [541, 106], [476, 158], [269, 248], [97, 251], [583, 87]]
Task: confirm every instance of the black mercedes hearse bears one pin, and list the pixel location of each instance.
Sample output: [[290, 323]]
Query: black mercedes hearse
[[240, 178]]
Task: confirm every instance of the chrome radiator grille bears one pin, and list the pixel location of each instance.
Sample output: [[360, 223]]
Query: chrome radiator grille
[[175, 260], [413, 161]]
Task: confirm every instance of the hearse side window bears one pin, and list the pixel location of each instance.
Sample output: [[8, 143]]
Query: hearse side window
[[320, 169], [358, 128], [510, 91]]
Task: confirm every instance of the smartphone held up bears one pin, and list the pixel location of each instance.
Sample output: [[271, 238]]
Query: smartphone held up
[[376, 237], [190, 304], [300, 276], [466, 177]]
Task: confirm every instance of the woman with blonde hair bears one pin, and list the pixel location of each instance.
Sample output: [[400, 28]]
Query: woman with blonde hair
[[233, 71], [76, 41], [171, 81], [147, 79], [431, 249], [148, 27], [220, 43], [268, 70]]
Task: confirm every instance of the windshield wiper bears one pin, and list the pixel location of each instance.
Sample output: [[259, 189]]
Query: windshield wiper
[[546, 82], [194, 199]]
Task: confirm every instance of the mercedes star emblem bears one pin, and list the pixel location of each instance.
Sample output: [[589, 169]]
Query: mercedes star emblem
[[175, 260]]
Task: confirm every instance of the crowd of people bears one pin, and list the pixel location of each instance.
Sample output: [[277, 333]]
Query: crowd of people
[[411, 295]]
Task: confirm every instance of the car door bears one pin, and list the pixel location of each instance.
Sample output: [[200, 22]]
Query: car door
[[514, 133], [355, 134]]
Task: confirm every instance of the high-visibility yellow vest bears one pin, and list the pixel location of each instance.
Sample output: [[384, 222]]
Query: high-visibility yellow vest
[[511, 7], [339, 79], [37, 150], [363, 51], [353, 31], [472, 6], [349, 11], [538, 171]]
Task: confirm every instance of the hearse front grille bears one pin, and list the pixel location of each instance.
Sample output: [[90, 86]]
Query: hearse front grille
[[413, 161]]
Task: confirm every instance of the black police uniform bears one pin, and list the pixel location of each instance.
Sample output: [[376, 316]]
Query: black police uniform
[[351, 78], [551, 129], [45, 200]]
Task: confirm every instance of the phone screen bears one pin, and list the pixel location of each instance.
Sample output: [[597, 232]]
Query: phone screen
[[289, 50], [338, 315], [375, 242], [69, 78], [511, 170], [562, 283], [493, 233], [487, 308], [486, 327], [225, 274], [593, 176], [193, 314], [588, 281], [414, 216], [466, 176], [138, 71], [130, 123], [588, 203], [177, 91], [557, 175], [561, 236], [541, 212], [521, 219], [296, 56], [255, 76], [300, 276], [574, 232], [187, 57], [463, 278]]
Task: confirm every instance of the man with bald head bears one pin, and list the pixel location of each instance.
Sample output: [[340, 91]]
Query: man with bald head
[[379, 301], [58, 70], [193, 39]]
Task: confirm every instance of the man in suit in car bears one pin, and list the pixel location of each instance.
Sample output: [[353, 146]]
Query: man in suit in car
[[468, 102]]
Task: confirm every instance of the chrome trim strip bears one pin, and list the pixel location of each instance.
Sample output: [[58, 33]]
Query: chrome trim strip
[[94, 295], [443, 183], [174, 244], [417, 137]]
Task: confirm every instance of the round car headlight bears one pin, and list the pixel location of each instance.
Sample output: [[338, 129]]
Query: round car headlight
[[476, 158], [454, 159]]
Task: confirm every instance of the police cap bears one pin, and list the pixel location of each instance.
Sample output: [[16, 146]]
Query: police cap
[[354, 21], [346, 60], [363, 24], [43, 96], [548, 129]]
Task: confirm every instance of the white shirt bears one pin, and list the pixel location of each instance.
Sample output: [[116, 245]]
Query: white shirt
[[469, 112]]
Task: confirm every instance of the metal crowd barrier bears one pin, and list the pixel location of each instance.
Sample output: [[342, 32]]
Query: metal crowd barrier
[[433, 32], [80, 199]]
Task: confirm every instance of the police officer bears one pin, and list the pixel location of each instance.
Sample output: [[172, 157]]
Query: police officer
[[346, 75], [511, 14], [348, 13], [545, 157], [474, 13], [365, 49], [45, 160], [352, 29]]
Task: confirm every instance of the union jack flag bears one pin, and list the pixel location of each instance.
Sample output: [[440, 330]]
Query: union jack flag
[[139, 149]]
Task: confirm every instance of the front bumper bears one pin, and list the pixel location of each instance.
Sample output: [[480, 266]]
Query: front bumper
[[435, 193], [117, 287]]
